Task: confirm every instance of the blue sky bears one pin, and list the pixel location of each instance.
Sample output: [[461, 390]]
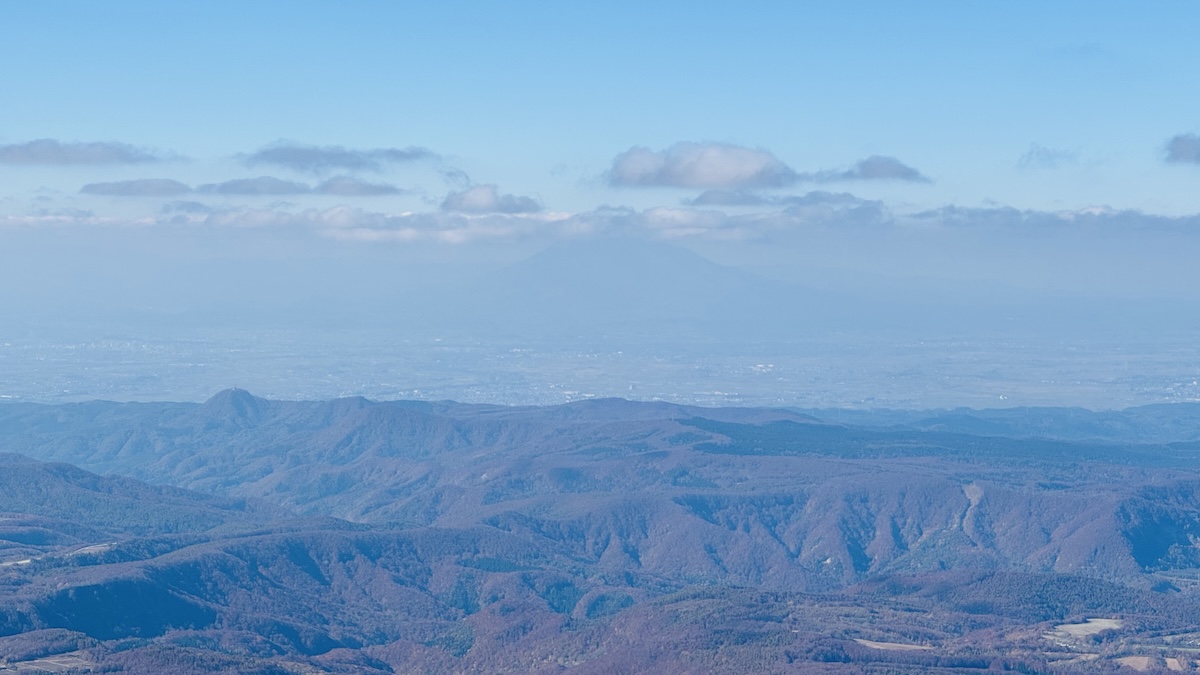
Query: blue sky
[[762, 124], [515, 91]]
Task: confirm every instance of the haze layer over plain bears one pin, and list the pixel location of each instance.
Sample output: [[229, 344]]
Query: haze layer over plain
[[489, 209]]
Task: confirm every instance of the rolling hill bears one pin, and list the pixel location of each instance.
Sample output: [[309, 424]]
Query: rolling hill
[[352, 535]]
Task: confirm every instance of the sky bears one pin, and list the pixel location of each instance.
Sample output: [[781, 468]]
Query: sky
[[150, 151], [1031, 105]]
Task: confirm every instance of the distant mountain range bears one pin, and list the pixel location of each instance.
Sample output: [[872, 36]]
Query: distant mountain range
[[576, 287], [598, 536]]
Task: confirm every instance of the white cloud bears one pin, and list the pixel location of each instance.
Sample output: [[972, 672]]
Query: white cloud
[[1094, 219], [141, 187], [348, 186], [73, 218], [1184, 148], [780, 219], [356, 224], [487, 199], [676, 222], [731, 169], [700, 165], [343, 186], [875, 167], [321, 159], [816, 197], [249, 218], [1040, 157], [263, 185], [48, 151]]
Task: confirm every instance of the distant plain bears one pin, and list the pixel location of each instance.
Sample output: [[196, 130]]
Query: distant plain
[[55, 363]]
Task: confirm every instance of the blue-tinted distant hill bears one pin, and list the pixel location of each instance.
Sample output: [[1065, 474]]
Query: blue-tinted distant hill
[[1160, 423]]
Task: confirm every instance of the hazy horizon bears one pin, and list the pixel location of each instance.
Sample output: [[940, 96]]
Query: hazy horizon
[[796, 205]]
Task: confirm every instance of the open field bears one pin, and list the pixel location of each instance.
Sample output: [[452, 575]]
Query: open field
[[892, 646], [1089, 627]]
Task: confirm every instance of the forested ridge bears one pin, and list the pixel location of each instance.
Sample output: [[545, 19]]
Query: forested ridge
[[249, 535]]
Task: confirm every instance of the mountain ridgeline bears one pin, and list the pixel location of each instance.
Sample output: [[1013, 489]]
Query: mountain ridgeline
[[252, 535]]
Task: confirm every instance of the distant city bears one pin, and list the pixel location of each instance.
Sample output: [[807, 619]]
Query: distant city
[[839, 370]]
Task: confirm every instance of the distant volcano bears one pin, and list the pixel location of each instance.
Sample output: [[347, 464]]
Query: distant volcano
[[613, 285]]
